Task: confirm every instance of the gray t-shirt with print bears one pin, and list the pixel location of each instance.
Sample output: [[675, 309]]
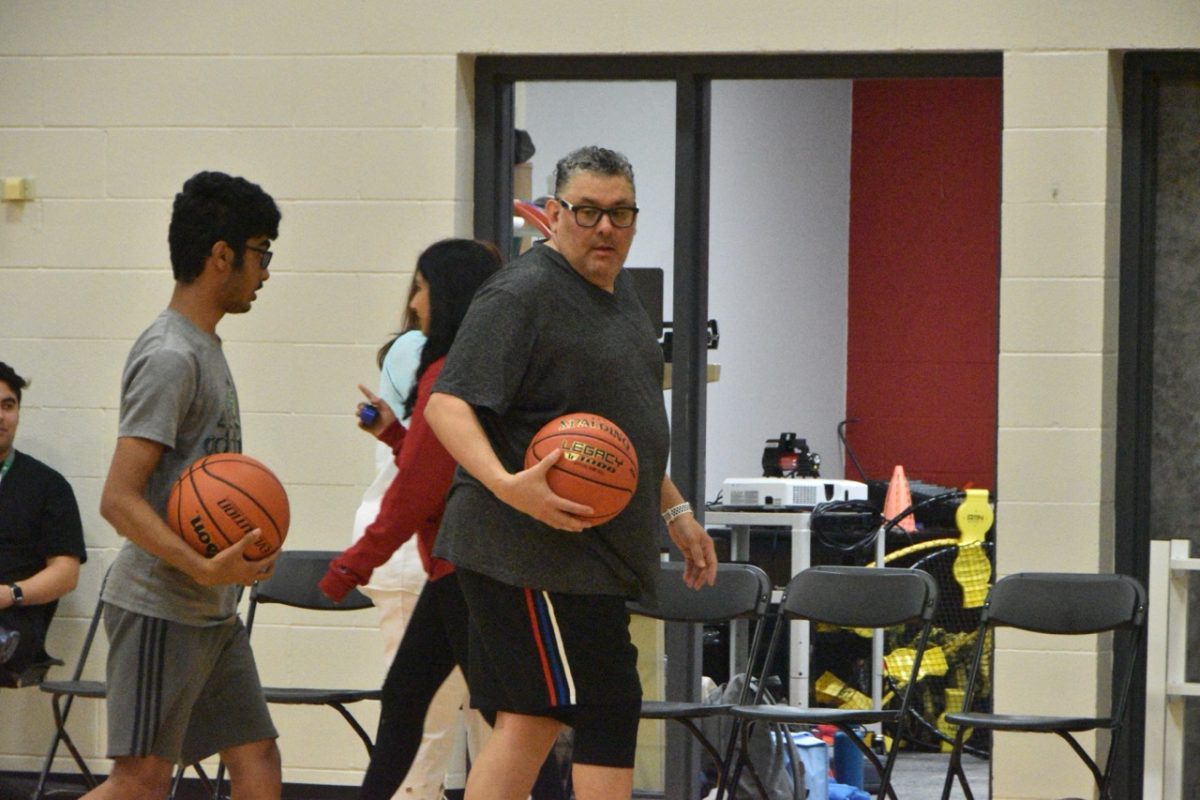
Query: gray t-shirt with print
[[540, 341], [176, 390]]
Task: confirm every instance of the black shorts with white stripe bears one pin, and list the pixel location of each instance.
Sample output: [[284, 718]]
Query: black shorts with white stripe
[[552, 654]]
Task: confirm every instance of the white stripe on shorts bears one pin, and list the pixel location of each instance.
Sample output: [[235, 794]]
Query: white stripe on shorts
[[562, 654]]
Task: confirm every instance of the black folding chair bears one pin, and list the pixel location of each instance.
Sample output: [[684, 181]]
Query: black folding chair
[[1062, 604], [32, 675], [62, 698], [853, 597], [34, 671], [741, 592], [294, 583]]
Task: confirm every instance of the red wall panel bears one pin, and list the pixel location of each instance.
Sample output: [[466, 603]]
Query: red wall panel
[[924, 279]]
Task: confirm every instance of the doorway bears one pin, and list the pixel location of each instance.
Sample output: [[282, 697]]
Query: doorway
[[1159, 349], [695, 86]]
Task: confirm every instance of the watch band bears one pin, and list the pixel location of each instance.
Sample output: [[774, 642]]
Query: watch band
[[674, 512]]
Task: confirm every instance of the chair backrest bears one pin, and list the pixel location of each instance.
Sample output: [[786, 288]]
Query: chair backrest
[[294, 583], [861, 597], [1067, 603], [93, 627], [741, 591]]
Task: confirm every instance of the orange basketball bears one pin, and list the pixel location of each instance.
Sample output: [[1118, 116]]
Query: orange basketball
[[222, 497], [598, 466]]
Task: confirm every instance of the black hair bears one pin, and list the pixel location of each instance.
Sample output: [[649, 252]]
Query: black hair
[[215, 207], [453, 269], [598, 160], [15, 382]]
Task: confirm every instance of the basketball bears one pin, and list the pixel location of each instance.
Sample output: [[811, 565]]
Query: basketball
[[220, 498], [598, 466]]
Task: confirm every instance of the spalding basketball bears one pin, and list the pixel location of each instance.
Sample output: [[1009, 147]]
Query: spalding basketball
[[598, 466], [220, 498]]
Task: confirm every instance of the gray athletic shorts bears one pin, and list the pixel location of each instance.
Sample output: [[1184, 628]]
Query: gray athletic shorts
[[180, 692]]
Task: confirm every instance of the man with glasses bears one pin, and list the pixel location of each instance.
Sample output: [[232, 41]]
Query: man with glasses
[[182, 682], [559, 330]]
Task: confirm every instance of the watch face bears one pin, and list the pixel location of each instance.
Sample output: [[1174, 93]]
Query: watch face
[[17, 595]]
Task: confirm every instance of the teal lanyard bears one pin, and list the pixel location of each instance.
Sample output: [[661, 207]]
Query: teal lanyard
[[8, 462]]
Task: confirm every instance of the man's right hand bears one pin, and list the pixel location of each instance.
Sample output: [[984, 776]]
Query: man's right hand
[[528, 491], [123, 504], [457, 427], [230, 566]]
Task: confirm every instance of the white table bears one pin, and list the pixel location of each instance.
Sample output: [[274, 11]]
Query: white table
[[740, 523]]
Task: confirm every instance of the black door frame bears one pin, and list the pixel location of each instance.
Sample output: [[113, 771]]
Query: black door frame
[[1143, 74], [495, 77]]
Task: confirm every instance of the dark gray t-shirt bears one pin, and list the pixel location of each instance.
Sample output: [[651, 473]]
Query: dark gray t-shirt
[[540, 341], [176, 390]]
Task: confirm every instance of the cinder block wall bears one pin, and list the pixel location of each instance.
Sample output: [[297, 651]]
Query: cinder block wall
[[357, 117], [1058, 325]]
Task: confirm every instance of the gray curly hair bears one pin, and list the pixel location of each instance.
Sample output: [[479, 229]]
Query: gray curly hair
[[598, 160]]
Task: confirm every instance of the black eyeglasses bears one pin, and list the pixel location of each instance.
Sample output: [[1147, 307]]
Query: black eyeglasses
[[266, 255], [589, 216]]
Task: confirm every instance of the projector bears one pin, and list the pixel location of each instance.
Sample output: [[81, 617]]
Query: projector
[[776, 494]]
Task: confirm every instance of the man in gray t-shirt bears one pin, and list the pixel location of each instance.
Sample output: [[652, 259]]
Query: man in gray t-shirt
[[182, 684], [557, 331]]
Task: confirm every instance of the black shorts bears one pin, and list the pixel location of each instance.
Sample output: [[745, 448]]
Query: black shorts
[[550, 654]]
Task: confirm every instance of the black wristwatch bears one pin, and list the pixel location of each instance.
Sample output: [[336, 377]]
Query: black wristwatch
[[18, 597]]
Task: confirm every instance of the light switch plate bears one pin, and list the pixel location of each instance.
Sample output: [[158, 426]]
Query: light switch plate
[[18, 189]]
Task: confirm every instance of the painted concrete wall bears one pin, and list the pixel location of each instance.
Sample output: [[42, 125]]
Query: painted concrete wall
[[357, 118]]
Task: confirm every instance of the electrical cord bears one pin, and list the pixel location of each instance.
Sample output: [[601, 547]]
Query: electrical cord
[[851, 525], [894, 522], [845, 525], [841, 434]]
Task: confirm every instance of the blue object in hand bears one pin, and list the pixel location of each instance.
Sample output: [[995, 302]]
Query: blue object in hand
[[368, 414], [847, 761]]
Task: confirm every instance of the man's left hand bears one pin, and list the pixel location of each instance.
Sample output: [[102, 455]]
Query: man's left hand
[[699, 555]]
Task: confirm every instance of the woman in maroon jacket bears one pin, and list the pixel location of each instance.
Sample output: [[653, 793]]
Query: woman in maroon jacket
[[435, 639]]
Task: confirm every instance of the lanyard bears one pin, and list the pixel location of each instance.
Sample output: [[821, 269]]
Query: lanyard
[[8, 462]]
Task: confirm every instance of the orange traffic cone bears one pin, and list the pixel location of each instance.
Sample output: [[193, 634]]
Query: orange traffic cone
[[899, 497]]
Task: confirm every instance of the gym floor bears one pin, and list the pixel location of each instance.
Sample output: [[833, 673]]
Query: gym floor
[[916, 775], [921, 775]]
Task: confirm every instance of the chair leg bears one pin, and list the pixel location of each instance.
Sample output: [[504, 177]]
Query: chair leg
[[702, 739], [955, 769], [61, 736], [178, 779], [884, 773], [1106, 783], [60, 722], [729, 789], [885, 776], [362, 734], [219, 781], [40, 792], [798, 787], [1083, 755], [88, 777], [725, 765]]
